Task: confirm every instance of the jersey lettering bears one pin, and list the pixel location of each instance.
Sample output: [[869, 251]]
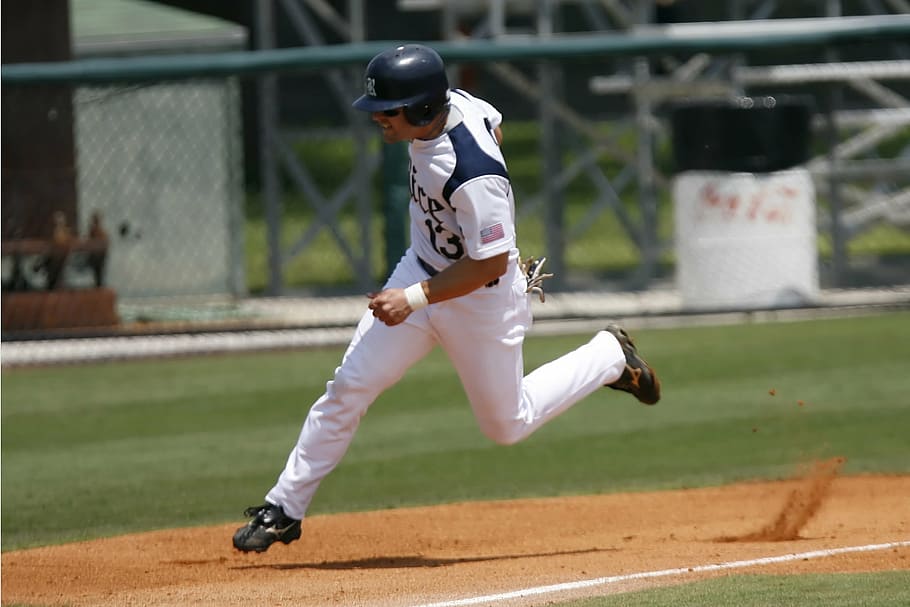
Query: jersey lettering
[[444, 241]]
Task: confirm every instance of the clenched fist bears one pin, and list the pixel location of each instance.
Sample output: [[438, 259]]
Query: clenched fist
[[390, 306]]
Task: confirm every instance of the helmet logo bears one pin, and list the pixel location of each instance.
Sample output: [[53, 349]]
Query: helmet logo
[[371, 87]]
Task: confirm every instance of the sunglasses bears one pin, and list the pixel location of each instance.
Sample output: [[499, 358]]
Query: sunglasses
[[392, 112]]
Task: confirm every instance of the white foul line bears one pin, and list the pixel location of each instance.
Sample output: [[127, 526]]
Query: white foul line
[[601, 581]]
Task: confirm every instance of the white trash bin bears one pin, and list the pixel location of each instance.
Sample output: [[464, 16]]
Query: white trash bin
[[745, 240]]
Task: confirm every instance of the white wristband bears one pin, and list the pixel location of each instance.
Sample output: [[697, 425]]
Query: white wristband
[[416, 297]]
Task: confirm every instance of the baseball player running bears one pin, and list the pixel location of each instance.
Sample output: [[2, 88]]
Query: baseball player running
[[460, 285]]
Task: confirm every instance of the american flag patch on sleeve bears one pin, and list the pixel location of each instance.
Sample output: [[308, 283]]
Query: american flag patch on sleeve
[[492, 233]]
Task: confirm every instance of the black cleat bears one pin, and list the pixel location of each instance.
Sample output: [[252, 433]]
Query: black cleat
[[638, 379], [269, 525]]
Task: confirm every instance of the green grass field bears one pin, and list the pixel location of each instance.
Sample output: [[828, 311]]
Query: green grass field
[[98, 450], [887, 589]]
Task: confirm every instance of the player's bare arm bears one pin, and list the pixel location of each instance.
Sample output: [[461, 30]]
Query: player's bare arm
[[466, 275]]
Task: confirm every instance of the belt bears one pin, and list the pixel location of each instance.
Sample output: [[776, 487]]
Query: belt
[[427, 267], [433, 271]]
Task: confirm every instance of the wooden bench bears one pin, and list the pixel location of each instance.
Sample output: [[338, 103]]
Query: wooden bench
[[21, 248], [28, 309], [39, 246]]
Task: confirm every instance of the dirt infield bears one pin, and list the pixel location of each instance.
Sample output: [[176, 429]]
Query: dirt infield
[[418, 556]]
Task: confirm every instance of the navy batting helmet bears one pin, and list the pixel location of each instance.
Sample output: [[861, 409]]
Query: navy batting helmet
[[412, 77]]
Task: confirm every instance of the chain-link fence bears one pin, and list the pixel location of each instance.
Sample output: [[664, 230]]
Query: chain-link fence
[[161, 163], [187, 217], [144, 198]]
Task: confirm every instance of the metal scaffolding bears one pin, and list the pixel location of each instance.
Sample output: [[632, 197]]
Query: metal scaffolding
[[849, 156]]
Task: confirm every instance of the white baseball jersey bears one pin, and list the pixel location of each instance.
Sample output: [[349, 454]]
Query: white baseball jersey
[[461, 205], [461, 197]]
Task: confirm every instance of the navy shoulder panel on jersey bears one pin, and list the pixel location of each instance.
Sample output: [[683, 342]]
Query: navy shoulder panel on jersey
[[470, 161]]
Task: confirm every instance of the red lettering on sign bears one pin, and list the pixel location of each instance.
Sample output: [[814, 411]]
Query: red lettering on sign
[[770, 203]]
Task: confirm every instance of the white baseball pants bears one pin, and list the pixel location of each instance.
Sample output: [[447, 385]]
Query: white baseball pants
[[482, 333]]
